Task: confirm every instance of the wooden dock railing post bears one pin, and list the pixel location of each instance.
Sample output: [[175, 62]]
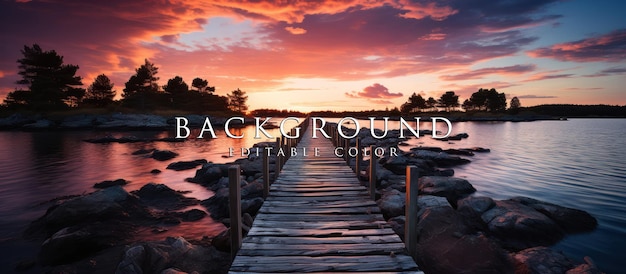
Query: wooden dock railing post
[[358, 158], [410, 211], [277, 161], [266, 173], [235, 209], [373, 177]]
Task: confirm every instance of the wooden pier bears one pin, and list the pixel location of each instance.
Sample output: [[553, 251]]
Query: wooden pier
[[319, 218]]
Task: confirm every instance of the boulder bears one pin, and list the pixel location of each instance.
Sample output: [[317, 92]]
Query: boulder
[[105, 184], [251, 206], [446, 245], [397, 224], [519, 226], [162, 197], [210, 173], [542, 260], [449, 187], [39, 124], [571, 220], [392, 203], [442, 159], [184, 165], [173, 254], [163, 155], [155, 171], [191, 215], [111, 204]]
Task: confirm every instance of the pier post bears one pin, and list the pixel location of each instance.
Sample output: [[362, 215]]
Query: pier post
[[373, 177], [359, 158], [277, 161], [266, 173], [411, 209], [234, 184]]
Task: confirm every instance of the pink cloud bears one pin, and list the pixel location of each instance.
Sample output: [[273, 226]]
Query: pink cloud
[[479, 73], [375, 91], [610, 47]]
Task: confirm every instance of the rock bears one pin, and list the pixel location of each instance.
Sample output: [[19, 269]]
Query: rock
[[520, 226], [444, 172], [210, 173], [15, 120], [222, 241], [475, 205], [143, 151], [571, 220], [477, 149], [428, 201], [542, 260], [78, 121], [120, 120], [442, 159], [445, 245], [105, 184], [163, 155], [39, 124], [449, 187], [173, 254], [392, 203], [452, 151], [587, 268], [192, 215], [218, 204], [251, 206], [155, 171], [73, 243], [184, 165], [397, 224], [162, 197], [252, 190], [111, 204]]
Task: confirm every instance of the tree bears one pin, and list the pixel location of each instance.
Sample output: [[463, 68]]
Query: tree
[[51, 84], [144, 80], [515, 105], [237, 101], [449, 101], [141, 90], [176, 85], [487, 100], [100, 93], [202, 85], [415, 103], [431, 103]]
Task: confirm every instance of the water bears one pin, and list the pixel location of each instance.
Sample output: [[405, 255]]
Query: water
[[578, 163]]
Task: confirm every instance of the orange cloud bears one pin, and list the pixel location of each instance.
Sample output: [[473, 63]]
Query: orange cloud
[[610, 47], [294, 30]]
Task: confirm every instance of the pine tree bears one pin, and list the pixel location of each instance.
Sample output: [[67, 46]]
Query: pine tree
[[237, 101], [100, 93], [51, 84]]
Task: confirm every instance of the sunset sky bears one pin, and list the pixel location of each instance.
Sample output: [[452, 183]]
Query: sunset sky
[[341, 55]]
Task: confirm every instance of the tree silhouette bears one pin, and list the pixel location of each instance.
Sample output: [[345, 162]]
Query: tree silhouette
[[415, 103], [431, 103], [51, 84], [237, 101], [100, 93], [515, 105], [202, 85], [176, 85], [486, 100], [449, 101], [141, 90]]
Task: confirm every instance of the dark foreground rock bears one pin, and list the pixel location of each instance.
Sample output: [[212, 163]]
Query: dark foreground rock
[[105, 184], [163, 155], [162, 197], [571, 220], [84, 226], [174, 255], [184, 165], [543, 260], [449, 187], [446, 245]]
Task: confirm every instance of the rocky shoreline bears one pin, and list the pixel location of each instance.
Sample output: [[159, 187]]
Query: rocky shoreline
[[460, 232]]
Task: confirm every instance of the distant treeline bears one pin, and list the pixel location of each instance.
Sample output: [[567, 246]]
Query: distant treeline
[[565, 110]]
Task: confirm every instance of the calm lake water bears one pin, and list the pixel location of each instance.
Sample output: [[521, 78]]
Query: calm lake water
[[578, 163]]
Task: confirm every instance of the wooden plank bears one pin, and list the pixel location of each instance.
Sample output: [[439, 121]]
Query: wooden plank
[[326, 240]]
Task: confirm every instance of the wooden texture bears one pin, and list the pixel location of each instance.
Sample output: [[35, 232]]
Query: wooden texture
[[319, 218]]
